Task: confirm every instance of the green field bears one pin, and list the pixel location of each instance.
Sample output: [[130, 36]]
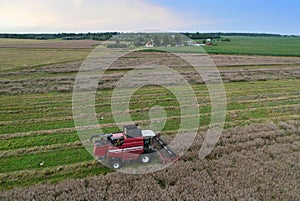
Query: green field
[[21, 115], [269, 46], [243, 45], [38, 128], [14, 59]]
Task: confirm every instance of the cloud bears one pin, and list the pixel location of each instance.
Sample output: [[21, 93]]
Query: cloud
[[87, 15]]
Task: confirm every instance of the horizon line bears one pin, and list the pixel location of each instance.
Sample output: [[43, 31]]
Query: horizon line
[[124, 32]]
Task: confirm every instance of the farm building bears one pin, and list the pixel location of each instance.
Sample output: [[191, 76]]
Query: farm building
[[208, 42], [149, 44]]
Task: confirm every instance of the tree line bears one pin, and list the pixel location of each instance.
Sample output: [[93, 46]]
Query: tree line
[[107, 35], [65, 36], [218, 35]]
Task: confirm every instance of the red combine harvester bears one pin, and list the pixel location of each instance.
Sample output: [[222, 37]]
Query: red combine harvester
[[133, 144]]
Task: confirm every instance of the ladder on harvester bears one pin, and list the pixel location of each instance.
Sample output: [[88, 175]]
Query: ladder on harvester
[[169, 156]]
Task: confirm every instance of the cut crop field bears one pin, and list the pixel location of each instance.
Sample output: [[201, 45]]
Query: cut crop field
[[257, 156], [8, 41], [18, 59], [44, 44]]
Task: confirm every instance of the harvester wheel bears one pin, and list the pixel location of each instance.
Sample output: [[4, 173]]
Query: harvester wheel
[[116, 164], [145, 158]]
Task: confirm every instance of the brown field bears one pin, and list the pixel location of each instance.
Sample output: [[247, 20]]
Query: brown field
[[238, 60], [52, 44], [61, 77]]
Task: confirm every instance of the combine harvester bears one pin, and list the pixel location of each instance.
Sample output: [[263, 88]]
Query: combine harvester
[[133, 144]]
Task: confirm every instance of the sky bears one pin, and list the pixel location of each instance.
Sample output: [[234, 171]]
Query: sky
[[56, 16]]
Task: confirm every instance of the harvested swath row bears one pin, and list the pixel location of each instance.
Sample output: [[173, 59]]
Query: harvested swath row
[[30, 107], [41, 99], [228, 60], [36, 120], [62, 115], [203, 108], [29, 173], [57, 173], [63, 138], [146, 109], [59, 106], [260, 74], [39, 149], [261, 133], [45, 147], [276, 118], [59, 84], [231, 107], [52, 131], [202, 100], [50, 158], [103, 126], [66, 83], [58, 111], [230, 124], [27, 100], [205, 93], [258, 66], [12, 128], [239, 60], [230, 93], [78, 143], [149, 93], [220, 60], [205, 96], [40, 132], [69, 67], [264, 100], [38, 140], [272, 111], [262, 69], [232, 115], [264, 173]]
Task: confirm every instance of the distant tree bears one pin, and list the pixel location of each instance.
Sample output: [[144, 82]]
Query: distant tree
[[139, 41], [166, 40], [157, 40], [178, 39]]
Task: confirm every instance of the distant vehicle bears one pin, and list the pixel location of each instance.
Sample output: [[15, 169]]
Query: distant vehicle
[[133, 144]]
